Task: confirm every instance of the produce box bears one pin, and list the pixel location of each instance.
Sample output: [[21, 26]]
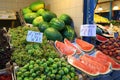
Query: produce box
[[6, 74]]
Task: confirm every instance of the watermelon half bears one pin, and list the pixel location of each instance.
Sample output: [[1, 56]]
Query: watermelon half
[[72, 46], [64, 49], [83, 45]]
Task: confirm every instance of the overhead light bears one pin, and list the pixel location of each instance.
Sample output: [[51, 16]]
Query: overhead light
[[100, 9], [115, 7]]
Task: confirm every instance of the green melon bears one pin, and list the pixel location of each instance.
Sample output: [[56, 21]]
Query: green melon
[[29, 17], [26, 10], [37, 20], [57, 24], [35, 6], [66, 18], [68, 33], [40, 11], [53, 34], [48, 15], [42, 26]]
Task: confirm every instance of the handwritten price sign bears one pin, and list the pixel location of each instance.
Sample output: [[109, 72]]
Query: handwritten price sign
[[33, 36], [88, 30]]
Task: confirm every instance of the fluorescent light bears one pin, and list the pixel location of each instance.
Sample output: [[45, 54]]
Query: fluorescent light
[[100, 9], [115, 7]]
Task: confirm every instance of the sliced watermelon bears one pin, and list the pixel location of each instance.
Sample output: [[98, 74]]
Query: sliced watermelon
[[102, 69], [64, 49], [101, 38], [83, 45], [97, 65], [72, 46], [115, 65], [101, 61], [81, 66]]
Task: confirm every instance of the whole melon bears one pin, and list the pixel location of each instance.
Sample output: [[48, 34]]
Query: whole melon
[[48, 15], [57, 24], [29, 17], [68, 33], [40, 11], [42, 26], [26, 10], [35, 6], [66, 18], [37, 20], [53, 34]]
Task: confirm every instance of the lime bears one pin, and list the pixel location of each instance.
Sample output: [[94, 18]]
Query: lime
[[32, 62], [66, 70], [26, 74], [33, 75], [31, 67], [19, 78]]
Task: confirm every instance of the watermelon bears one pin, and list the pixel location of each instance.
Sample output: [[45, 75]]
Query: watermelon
[[68, 33], [40, 11], [35, 6], [83, 45], [57, 24], [98, 66], [42, 26], [29, 17], [89, 66], [66, 18], [48, 15], [37, 21], [64, 49], [100, 39], [81, 66], [99, 31], [115, 65], [72, 46], [53, 34]]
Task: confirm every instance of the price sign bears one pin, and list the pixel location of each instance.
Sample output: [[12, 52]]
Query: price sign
[[33, 36], [88, 30]]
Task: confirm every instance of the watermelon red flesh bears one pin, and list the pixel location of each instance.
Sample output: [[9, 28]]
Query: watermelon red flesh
[[64, 49], [95, 65], [83, 45], [115, 65], [81, 66], [101, 38], [101, 61], [68, 43]]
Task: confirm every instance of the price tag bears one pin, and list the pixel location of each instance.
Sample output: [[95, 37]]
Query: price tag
[[33, 36], [88, 30]]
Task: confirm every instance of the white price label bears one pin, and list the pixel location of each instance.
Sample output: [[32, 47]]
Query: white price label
[[88, 30], [33, 36]]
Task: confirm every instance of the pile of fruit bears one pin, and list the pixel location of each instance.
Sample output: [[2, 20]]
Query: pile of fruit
[[111, 47], [53, 26], [100, 19], [25, 51], [47, 69]]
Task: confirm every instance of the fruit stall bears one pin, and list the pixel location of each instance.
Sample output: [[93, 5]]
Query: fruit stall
[[45, 44]]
